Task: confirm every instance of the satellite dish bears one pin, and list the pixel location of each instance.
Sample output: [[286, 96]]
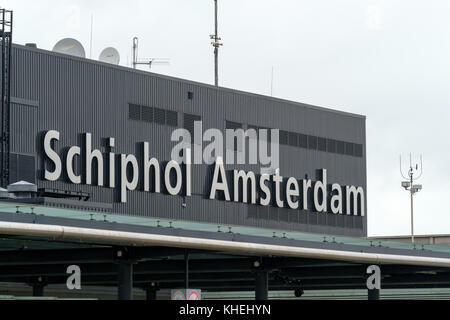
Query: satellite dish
[[70, 46], [110, 55]]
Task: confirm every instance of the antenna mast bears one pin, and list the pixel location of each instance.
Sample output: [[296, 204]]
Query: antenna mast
[[90, 42], [148, 62], [216, 44], [410, 186], [271, 83]]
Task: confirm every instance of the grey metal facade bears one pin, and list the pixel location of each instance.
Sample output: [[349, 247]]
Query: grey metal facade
[[74, 96]]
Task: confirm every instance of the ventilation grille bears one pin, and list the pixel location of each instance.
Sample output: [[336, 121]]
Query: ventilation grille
[[152, 114], [293, 139], [172, 118], [189, 120], [233, 125], [331, 145], [312, 142], [160, 116], [322, 144], [284, 137], [134, 112], [147, 114]]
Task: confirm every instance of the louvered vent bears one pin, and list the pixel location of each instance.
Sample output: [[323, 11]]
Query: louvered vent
[[159, 116], [147, 114], [172, 118], [134, 112]]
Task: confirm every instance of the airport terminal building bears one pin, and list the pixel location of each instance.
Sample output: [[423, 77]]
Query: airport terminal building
[[89, 180], [61, 101]]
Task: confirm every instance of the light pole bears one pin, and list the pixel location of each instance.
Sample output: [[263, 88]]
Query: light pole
[[216, 44], [411, 187]]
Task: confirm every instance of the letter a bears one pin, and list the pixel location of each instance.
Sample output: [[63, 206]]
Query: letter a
[[374, 280], [74, 280]]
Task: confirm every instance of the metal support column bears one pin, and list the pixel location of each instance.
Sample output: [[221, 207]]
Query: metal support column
[[38, 289], [150, 290], [262, 285], [151, 293], [125, 281], [373, 294], [186, 269], [38, 285]]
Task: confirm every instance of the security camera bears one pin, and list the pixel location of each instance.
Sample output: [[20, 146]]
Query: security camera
[[406, 184]]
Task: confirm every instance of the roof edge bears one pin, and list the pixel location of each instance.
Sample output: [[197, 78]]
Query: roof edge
[[270, 98], [134, 238]]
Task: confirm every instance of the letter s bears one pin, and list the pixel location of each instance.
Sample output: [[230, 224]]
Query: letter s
[[52, 155]]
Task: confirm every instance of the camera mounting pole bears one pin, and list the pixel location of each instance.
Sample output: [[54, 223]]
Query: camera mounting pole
[[410, 186]]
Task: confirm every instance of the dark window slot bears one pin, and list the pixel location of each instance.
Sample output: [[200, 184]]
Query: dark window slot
[[331, 145], [147, 114], [284, 137], [189, 120], [312, 142], [159, 116], [134, 112], [349, 148], [303, 141], [233, 125], [358, 150], [340, 147], [172, 118], [322, 144], [293, 139]]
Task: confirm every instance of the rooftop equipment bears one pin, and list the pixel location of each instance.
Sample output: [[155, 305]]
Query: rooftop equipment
[[71, 47]]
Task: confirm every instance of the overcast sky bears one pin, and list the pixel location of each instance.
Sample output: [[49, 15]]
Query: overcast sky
[[388, 60]]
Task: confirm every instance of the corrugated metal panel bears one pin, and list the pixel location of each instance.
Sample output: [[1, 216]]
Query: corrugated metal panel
[[23, 128], [78, 95]]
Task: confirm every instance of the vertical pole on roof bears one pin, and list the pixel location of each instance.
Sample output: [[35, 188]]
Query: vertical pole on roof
[[216, 44]]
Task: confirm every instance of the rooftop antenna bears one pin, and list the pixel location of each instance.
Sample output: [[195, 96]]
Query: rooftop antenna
[[90, 42], [216, 44], [414, 173], [271, 83], [148, 62]]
